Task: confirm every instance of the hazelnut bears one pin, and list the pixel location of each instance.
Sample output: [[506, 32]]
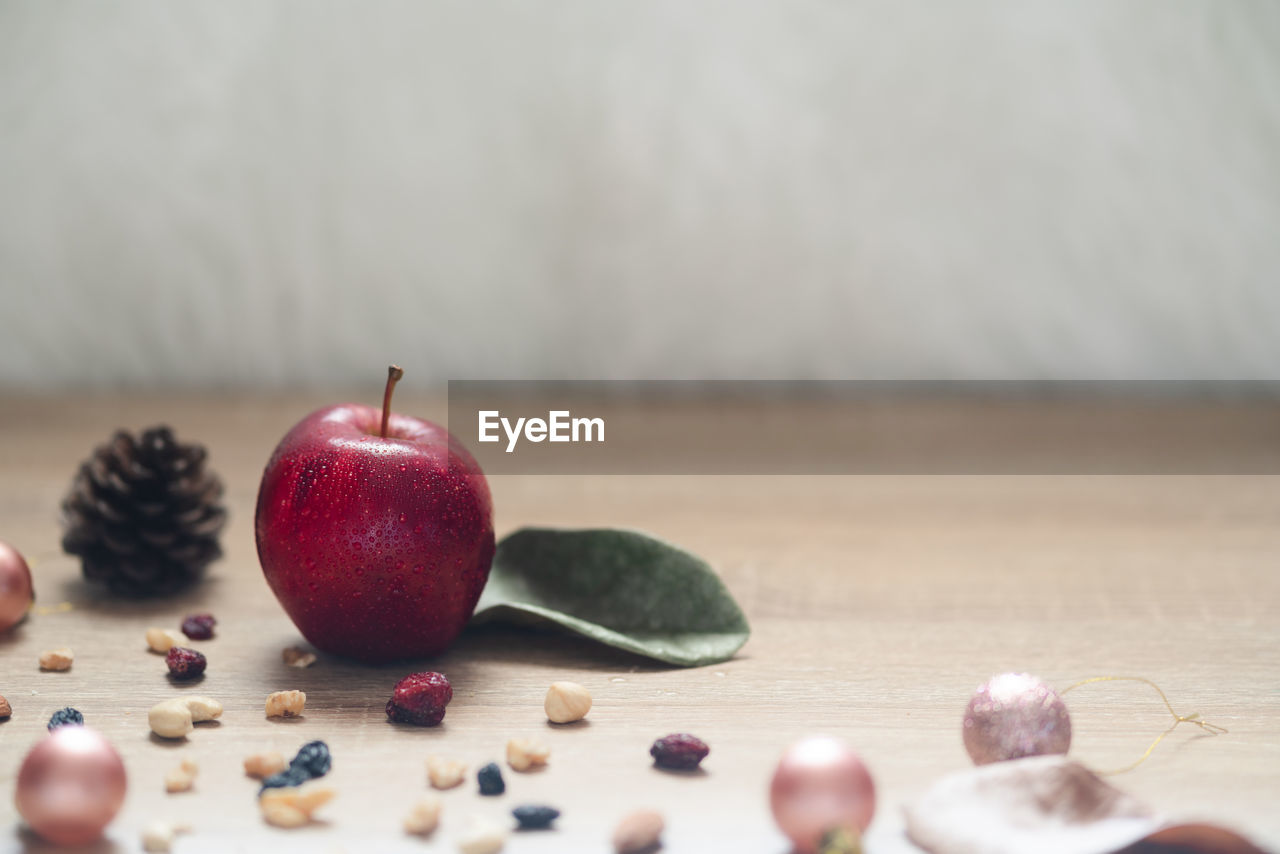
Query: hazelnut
[[639, 831], [285, 704], [424, 817], [445, 773], [5, 709], [524, 753], [263, 765], [163, 640], [57, 659], [567, 702]]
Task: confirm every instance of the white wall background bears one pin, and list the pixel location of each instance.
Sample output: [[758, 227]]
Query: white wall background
[[254, 192]]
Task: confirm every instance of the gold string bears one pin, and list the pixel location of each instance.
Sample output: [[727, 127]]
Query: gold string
[[46, 610], [1193, 718]]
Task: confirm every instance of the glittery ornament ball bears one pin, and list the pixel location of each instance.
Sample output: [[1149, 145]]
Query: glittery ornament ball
[[70, 786], [821, 786], [15, 587], [1015, 715]]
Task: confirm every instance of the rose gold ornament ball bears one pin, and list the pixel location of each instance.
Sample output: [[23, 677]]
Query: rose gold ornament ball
[[70, 786], [15, 587], [820, 785], [1014, 715]]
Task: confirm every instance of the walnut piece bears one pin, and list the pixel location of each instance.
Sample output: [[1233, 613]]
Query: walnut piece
[[292, 806], [285, 704], [525, 753], [445, 773], [296, 656], [424, 817], [57, 659], [182, 778], [263, 765]]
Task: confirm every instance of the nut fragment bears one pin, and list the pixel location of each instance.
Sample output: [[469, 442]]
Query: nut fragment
[[483, 837], [293, 806], [445, 773], [296, 656], [285, 704], [5, 709], [170, 718], [638, 831], [163, 640], [182, 778], [203, 708], [261, 765], [175, 718], [424, 817], [158, 836], [525, 753], [57, 659], [567, 702]]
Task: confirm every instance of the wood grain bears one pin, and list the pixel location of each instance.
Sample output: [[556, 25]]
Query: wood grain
[[877, 604]]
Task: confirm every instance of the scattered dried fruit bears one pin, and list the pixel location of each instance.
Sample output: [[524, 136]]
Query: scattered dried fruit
[[162, 640], [535, 817], [567, 702], [5, 709], [313, 760], [424, 817], [420, 699], [185, 663], [158, 836], [64, 717], [638, 831], [490, 778], [57, 659], [175, 718], [262, 765], [199, 626], [483, 837], [293, 806], [182, 778], [524, 753], [679, 752], [445, 773], [286, 704], [296, 656]]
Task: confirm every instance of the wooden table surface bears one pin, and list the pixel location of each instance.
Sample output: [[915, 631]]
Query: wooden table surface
[[877, 605]]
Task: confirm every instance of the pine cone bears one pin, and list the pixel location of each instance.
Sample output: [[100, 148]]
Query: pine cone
[[144, 514]]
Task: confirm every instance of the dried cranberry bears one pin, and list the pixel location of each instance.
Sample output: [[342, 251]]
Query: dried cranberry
[[199, 626], [419, 699], [185, 663], [680, 751]]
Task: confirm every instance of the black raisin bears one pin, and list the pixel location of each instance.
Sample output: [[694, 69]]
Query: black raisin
[[285, 779], [314, 758], [532, 817], [66, 716], [490, 777]]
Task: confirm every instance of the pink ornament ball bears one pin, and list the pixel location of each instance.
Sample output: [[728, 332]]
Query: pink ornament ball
[[15, 587], [70, 786], [1015, 715], [820, 785]]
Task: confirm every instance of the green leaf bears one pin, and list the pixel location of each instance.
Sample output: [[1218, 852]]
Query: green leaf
[[620, 588]]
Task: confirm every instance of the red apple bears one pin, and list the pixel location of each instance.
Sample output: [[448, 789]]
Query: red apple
[[375, 531]]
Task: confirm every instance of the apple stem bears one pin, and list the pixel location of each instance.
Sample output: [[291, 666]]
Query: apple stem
[[394, 373]]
